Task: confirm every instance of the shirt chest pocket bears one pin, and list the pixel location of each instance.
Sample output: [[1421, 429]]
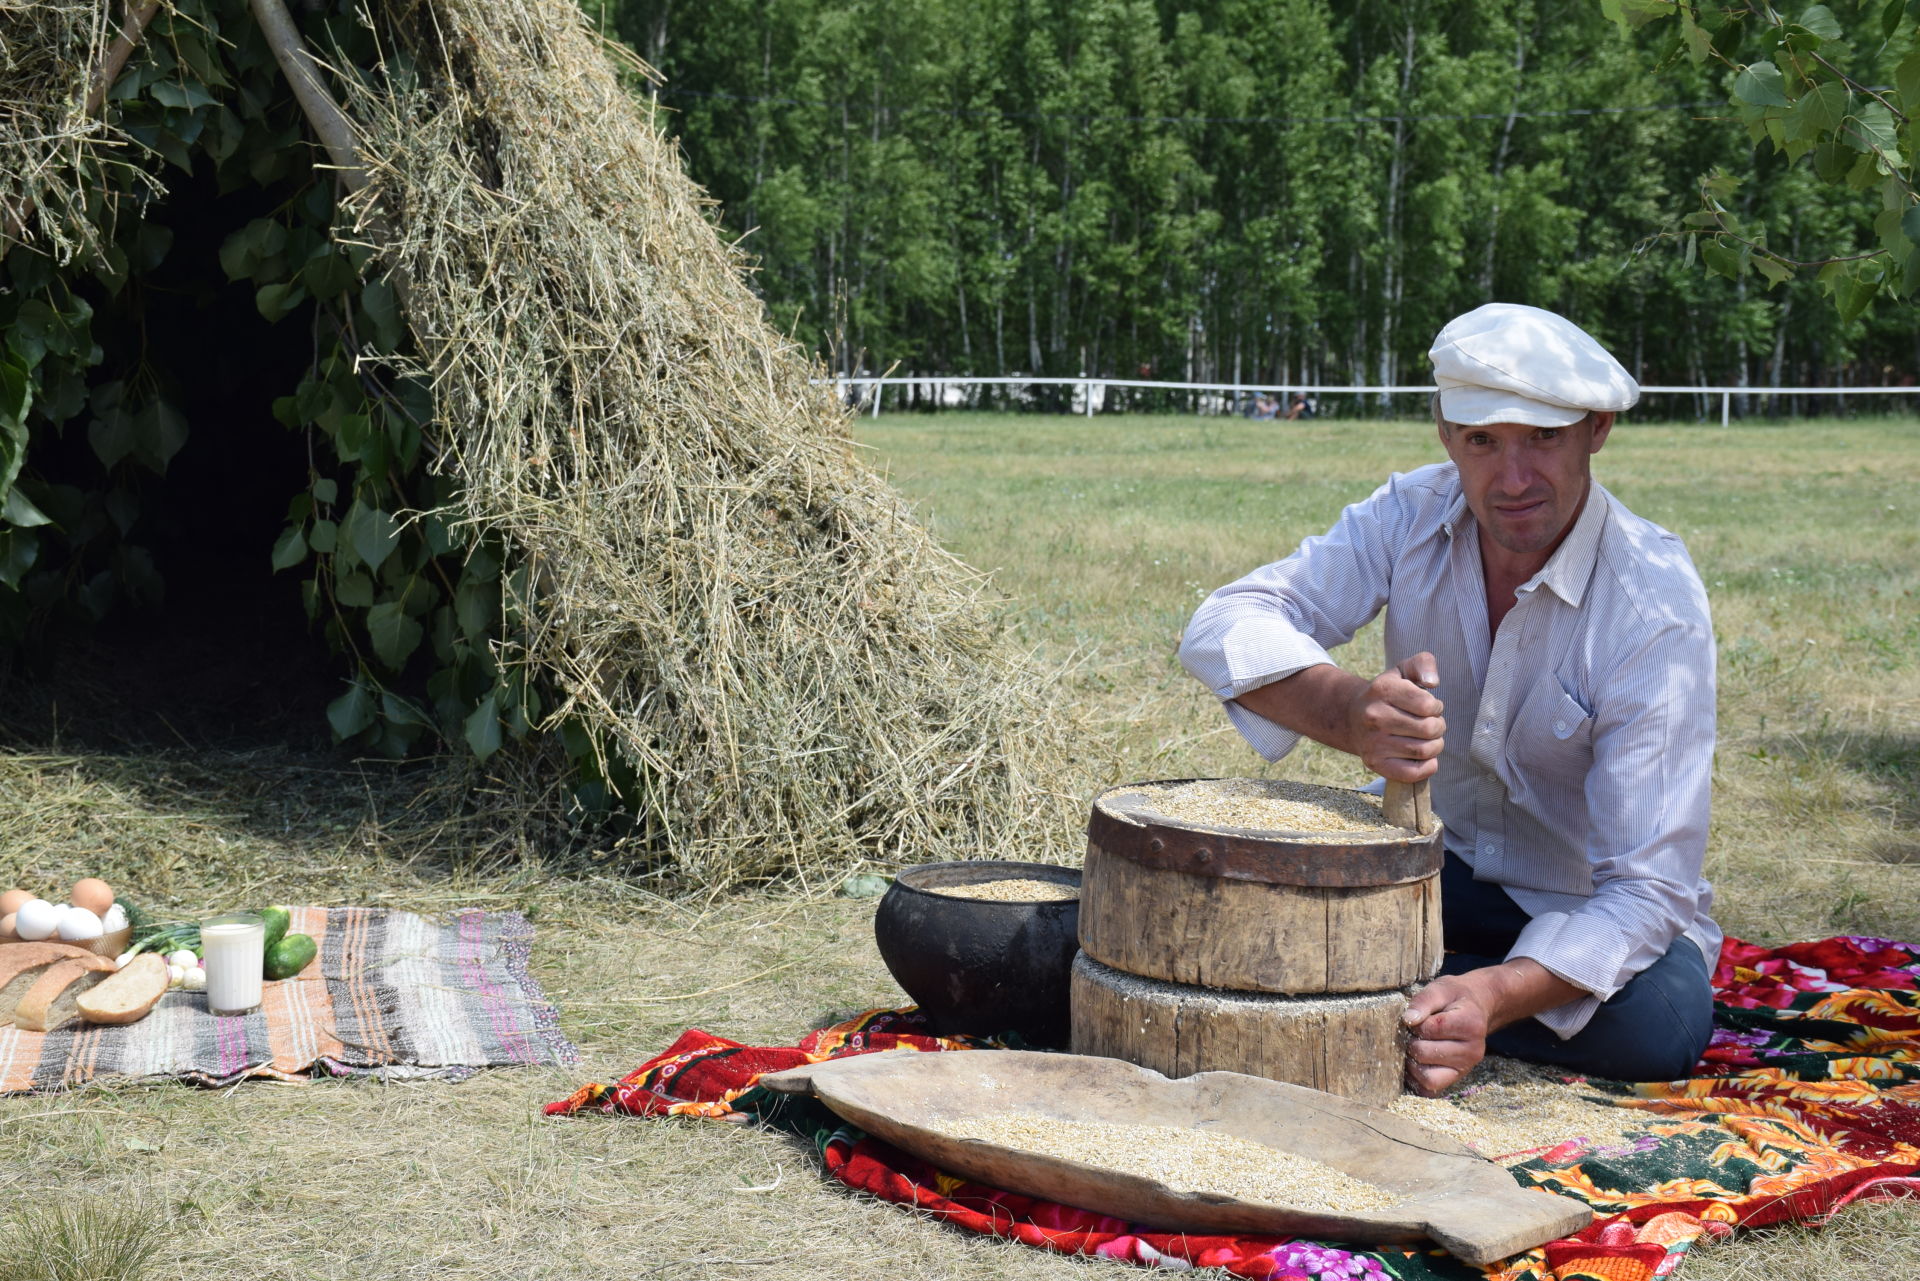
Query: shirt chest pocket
[[1553, 734]]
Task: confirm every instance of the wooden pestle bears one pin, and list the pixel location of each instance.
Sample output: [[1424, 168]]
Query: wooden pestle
[[1409, 805]]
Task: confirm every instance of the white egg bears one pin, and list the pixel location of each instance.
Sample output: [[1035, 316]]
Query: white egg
[[115, 919], [36, 919], [77, 925]]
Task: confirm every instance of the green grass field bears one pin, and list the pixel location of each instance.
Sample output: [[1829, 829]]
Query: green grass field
[[1808, 537], [1102, 535]]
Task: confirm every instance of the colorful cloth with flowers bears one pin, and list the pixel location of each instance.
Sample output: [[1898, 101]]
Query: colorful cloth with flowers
[[1808, 1098]]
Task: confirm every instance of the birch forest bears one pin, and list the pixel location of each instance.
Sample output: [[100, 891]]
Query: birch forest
[[1282, 191]]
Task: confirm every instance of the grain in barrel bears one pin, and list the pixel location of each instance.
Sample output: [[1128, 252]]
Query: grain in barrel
[[1270, 805], [1185, 1159]]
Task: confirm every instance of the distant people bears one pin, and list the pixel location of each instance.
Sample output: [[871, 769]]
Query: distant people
[[1302, 407], [858, 392], [1265, 406]]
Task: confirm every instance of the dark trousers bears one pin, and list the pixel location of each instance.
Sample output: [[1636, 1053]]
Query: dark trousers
[[1653, 1029]]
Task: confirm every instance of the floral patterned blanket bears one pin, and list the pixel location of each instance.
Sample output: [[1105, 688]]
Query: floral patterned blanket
[[1808, 1098]]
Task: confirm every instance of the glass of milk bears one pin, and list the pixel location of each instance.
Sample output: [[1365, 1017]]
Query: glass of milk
[[234, 947]]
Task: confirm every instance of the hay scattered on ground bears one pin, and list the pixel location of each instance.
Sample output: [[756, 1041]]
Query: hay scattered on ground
[[734, 603]]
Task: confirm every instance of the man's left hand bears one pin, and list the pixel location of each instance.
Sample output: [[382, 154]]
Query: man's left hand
[[1451, 1017], [1450, 1021]]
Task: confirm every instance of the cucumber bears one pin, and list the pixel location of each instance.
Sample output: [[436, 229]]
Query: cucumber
[[289, 956], [277, 919]]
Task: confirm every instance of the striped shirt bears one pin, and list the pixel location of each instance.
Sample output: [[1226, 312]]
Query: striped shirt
[[1579, 742]]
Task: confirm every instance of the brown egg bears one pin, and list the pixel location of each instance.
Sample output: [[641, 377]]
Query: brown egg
[[93, 894], [10, 901], [7, 933]]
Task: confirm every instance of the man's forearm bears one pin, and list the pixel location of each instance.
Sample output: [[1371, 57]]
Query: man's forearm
[[1315, 701], [1519, 989], [1392, 723], [1451, 1017]]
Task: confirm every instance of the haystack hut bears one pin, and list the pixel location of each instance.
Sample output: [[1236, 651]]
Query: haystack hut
[[557, 497]]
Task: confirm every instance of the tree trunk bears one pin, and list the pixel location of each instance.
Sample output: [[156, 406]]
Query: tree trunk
[[1393, 282], [1500, 160]]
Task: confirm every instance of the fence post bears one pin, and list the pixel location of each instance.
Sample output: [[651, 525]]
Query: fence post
[[1726, 407], [874, 387], [1086, 390]]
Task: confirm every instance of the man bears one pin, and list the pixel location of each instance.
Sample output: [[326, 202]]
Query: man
[[1567, 643]]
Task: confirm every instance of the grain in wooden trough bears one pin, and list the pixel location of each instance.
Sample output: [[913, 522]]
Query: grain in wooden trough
[[1270, 805], [1011, 890], [1181, 1158]]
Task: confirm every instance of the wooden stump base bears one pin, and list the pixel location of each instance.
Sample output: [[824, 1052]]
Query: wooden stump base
[[1353, 1046]]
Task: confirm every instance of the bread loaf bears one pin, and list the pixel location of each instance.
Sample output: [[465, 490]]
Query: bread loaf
[[126, 997], [53, 999], [49, 948], [22, 965]]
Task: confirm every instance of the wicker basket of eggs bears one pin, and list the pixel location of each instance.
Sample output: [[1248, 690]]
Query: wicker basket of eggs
[[89, 918]]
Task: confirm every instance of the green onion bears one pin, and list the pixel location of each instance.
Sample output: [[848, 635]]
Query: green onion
[[168, 938]]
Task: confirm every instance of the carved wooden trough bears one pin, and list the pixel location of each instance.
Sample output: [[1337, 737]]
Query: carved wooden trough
[[1442, 1190]]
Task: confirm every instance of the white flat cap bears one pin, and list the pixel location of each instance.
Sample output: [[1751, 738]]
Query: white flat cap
[[1509, 363]]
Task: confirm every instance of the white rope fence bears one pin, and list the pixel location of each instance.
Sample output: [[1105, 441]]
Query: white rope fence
[[1089, 393]]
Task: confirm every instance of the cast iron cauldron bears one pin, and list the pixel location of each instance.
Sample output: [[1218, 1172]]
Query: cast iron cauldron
[[976, 965]]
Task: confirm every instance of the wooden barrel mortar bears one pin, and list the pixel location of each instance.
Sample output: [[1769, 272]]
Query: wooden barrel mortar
[[1253, 910]]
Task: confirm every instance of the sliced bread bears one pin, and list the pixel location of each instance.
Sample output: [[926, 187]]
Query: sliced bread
[[125, 997], [53, 999], [21, 964], [17, 951]]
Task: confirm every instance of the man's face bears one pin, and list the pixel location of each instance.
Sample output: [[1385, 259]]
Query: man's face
[[1525, 484]]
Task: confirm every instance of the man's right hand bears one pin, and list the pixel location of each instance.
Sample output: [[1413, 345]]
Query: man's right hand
[[1395, 726]]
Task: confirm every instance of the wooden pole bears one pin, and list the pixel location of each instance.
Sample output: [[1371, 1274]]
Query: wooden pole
[[114, 61], [322, 112]]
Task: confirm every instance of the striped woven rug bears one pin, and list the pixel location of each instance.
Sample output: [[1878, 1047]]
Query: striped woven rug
[[390, 994]]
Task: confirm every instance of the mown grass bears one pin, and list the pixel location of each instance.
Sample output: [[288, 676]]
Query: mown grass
[[1104, 534], [1807, 535]]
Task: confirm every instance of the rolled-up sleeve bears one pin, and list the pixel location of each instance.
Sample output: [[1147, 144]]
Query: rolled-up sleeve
[[1648, 801], [1284, 617]]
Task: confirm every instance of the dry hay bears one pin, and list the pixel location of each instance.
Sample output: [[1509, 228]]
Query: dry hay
[[51, 137], [717, 588]]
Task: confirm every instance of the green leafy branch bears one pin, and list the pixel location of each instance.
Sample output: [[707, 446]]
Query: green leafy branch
[[1798, 94]]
